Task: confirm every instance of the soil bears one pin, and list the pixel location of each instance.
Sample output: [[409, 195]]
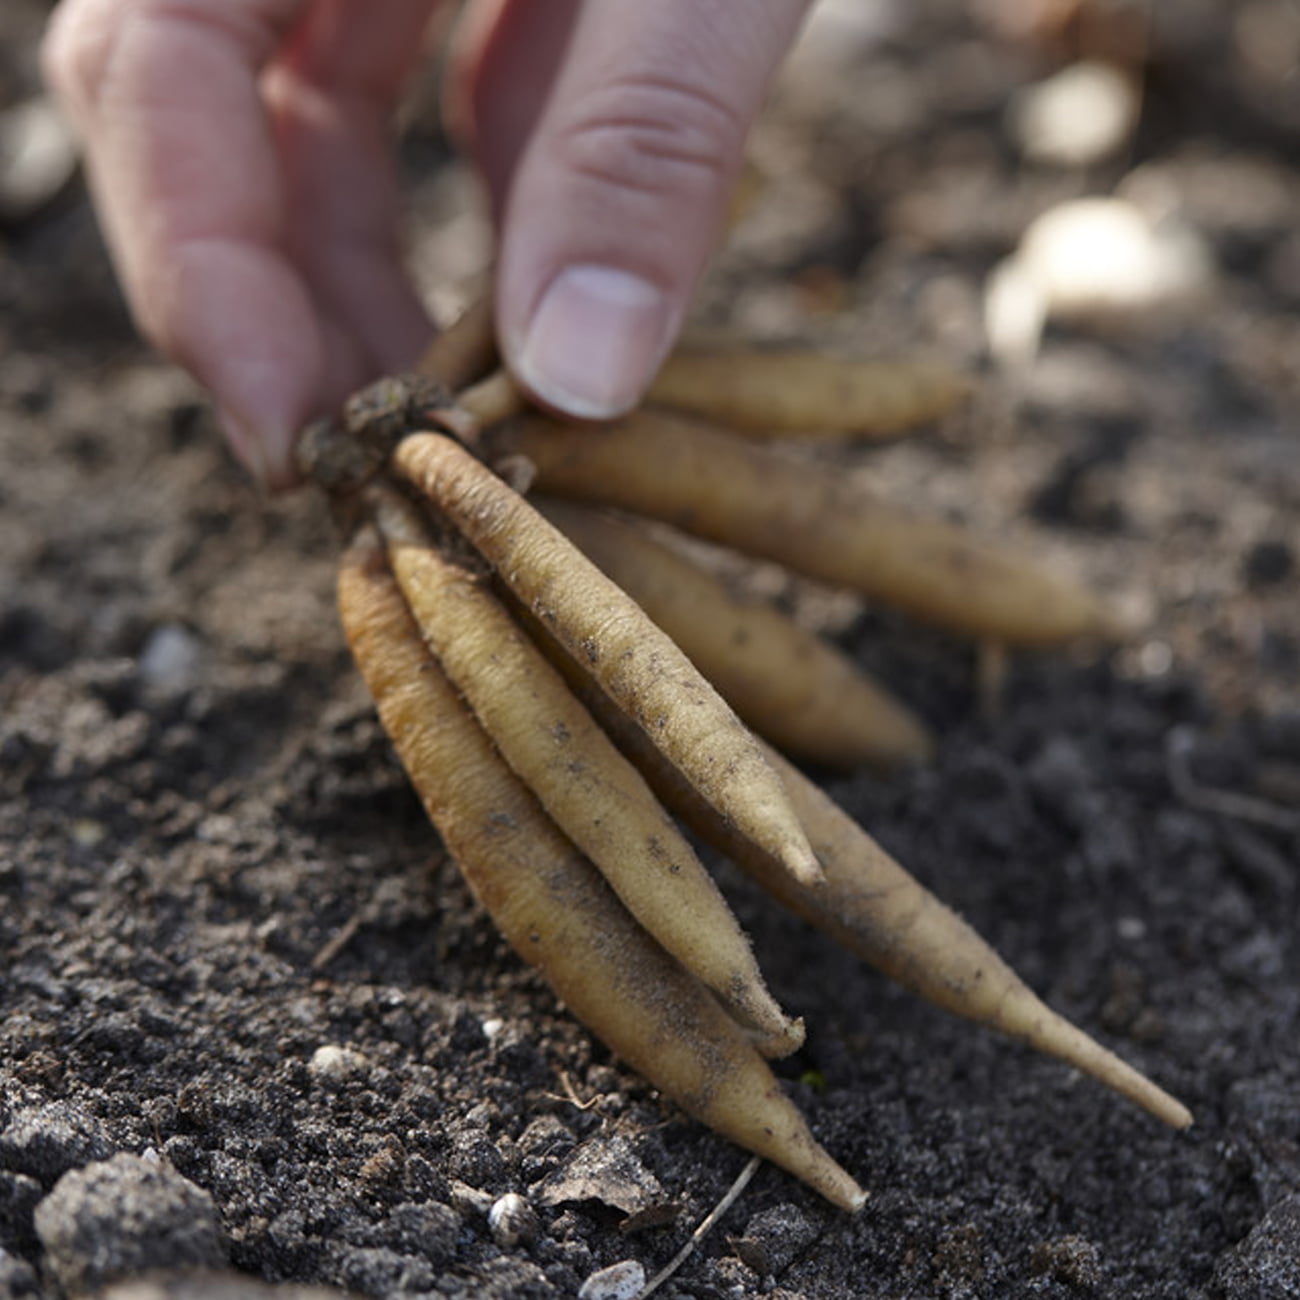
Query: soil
[[251, 1019]]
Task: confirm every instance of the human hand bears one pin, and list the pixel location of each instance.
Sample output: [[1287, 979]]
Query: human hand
[[240, 157]]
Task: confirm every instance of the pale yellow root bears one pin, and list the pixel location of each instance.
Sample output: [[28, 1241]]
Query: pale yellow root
[[554, 907], [595, 796], [466, 350], [800, 393], [790, 686], [871, 906], [813, 518], [597, 623], [492, 399]]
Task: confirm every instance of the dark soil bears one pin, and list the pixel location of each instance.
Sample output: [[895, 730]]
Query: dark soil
[[230, 944]]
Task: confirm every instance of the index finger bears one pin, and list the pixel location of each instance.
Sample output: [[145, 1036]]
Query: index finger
[[182, 163]]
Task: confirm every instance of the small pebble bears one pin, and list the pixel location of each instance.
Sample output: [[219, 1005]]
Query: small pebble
[[38, 156], [512, 1221], [169, 662], [621, 1281], [468, 1201], [1097, 259], [1077, 117], [336, 1063]]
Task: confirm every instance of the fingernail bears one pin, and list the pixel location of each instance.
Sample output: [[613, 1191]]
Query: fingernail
[[595, 341]]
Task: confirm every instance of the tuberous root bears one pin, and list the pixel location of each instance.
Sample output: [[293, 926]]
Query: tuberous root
[[548, 680]]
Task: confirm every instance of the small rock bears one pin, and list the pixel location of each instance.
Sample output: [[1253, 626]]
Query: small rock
[[512, 1221], [1061, 779], [335, 1063], [38, 157], [1103, 260], [621, 1281], [1077, 117], [124, 1216], [170, 659], [469, 1201]]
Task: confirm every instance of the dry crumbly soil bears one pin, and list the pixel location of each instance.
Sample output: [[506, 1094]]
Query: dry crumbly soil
[[244, 994]]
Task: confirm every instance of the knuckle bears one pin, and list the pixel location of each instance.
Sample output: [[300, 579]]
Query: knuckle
[[664, 137]]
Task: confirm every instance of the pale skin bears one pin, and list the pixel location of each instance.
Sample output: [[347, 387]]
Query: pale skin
[[240, 156]]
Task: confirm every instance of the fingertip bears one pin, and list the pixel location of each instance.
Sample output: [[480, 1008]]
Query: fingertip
[[239, 319]]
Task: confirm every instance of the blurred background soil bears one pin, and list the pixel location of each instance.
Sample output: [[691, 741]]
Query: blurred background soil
[[245, 994]]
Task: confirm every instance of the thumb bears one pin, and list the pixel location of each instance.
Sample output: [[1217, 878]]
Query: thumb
[[621, 189]]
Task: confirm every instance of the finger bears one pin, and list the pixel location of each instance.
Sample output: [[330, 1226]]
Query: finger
[[332, 97], [185, 173], [503, 60], [622, 188]]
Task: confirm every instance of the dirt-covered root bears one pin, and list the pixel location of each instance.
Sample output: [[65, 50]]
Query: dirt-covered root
[[810, 517], [805, 394], [792, 687], [592, 793], [604, 629], [554, 907]]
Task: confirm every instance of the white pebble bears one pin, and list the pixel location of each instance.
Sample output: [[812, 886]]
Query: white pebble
[[1097, 259], [621, 1281], [1155, 658], [334, 1062], [38, 156], [170, 659], [1084, 113], [512, 1220]]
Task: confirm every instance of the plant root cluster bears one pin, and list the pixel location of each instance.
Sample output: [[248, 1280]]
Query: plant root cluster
[[566, 692]]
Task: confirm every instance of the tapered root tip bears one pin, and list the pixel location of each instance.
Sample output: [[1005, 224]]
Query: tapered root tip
[[1068, 1043], [801, 863], [834, 1183], [1151, 1097], [784, 1039], [811, 1163]]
